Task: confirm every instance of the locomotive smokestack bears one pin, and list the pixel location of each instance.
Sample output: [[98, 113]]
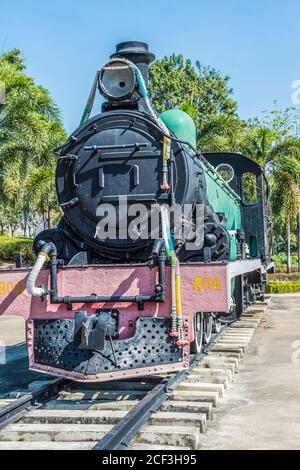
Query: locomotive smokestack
[[138, 53]]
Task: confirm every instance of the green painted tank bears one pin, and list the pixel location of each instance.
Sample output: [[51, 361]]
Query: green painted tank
[[181, 124]]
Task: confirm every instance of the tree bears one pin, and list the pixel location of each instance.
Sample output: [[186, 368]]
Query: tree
[[221, 133], [174, 82], [10, 216], [285, 204], [40, 188], [30, 129]]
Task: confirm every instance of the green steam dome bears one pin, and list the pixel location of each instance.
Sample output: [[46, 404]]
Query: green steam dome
[[181, 124]]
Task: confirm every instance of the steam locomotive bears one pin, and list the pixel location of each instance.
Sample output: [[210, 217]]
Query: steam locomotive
[[158, 244]]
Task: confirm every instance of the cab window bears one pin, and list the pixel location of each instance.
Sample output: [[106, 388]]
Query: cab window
[[249, 188]]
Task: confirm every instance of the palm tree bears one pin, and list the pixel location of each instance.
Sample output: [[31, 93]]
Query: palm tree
[[219, 133], [30, 129], [285, 204], [40, 188]]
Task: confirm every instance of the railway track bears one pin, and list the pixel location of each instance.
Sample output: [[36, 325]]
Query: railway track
[[161, 412]]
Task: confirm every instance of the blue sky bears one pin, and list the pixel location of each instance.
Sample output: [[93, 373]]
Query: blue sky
[[256, 42]]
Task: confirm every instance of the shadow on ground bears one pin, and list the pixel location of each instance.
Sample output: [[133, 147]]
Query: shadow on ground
[[15, 374]]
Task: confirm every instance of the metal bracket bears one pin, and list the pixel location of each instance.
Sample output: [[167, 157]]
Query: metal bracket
[[90, 332]]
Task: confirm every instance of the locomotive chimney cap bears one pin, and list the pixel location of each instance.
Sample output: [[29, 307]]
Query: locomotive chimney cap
[[132, 49]]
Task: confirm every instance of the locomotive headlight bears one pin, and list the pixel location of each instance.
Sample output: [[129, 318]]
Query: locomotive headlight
[[117, 80]]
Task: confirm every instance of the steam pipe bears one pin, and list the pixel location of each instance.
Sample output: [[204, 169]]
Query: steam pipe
[[158, 296], [43, 256]]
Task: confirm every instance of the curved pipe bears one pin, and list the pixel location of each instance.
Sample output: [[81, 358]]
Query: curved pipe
[[35, 271], [43, 256]]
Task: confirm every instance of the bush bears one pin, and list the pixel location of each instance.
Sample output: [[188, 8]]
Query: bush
[[10, 246], [283, 287], [281, 259], [290, 277], [282, 268]]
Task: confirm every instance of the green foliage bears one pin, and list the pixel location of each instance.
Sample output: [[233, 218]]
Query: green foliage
[[203, 93], [274, 144], [14, 57], [289, 277], [30, 128], [270, 143], [285, 198], [220, 133], [281, 258], [40, 190], [280, 240], [10, 246], [10, 216], [282, 268], [202, 88], [249, 188]]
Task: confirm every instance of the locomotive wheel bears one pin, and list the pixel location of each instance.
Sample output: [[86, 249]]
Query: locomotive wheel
[[196, 345], [207, 328]]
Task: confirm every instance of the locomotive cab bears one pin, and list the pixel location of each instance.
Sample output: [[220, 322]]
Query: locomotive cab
[[248, 180]]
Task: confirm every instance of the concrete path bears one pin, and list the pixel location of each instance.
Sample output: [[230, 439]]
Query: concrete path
[[12, 330], [262, 410]]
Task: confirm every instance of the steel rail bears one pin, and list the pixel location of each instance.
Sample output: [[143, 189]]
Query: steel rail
[[126, 429], [32, 400]]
